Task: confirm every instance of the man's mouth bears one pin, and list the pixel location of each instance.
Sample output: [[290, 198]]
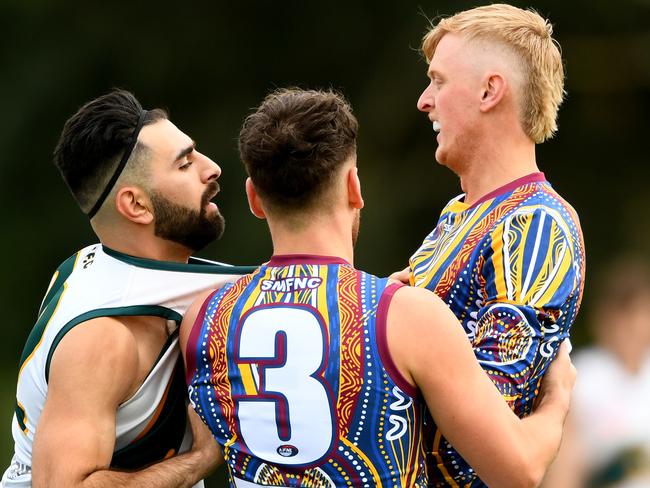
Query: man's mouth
[[436, 126], [210, 194]]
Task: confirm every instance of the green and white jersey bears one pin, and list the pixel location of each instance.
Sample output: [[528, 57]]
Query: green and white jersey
[[100, 282]]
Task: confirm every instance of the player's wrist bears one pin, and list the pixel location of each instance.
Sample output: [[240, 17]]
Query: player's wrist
[[555, 401], [204, 461]]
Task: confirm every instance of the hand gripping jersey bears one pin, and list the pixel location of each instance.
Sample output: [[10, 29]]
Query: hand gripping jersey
[[511, 268], [99, 282], [290, 369]]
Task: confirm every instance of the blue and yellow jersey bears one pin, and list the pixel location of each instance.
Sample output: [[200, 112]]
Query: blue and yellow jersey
[[511, 268], [290, 369]]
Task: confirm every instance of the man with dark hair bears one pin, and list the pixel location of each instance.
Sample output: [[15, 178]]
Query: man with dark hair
[[309, 372], [100, 398]]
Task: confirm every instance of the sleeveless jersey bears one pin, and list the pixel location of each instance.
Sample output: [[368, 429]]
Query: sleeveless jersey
[[289, 368], [100, 282], [511, 268]]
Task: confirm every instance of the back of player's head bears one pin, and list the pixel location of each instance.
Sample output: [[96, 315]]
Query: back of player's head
[[529, 37], [94, 140], [293, 144]]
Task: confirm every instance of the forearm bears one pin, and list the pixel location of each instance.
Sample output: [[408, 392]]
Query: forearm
[[182, 471], [542, 432]]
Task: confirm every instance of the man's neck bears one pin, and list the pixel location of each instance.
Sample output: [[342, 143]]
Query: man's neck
[[495, 169], [149, 247], [320, 239]]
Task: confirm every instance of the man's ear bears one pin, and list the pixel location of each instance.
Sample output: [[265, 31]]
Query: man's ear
[[495, 86], [354, 188], [134, 204], [254, 200]]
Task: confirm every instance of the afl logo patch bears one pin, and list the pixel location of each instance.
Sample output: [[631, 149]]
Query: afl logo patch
[[287, 450]]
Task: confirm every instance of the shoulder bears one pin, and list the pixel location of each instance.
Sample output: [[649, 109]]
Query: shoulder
[[424, 337], [547, 200], [65, 269], [107, 335], [101, 353], [453, 201], [534, 217], [418, 308], [192, 315]]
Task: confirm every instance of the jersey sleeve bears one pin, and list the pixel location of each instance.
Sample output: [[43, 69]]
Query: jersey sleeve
[[530, 277]]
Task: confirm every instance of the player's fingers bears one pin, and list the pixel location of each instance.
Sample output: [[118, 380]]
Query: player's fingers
[[199, 429], [400, 276], [204, 442], [562, 369]]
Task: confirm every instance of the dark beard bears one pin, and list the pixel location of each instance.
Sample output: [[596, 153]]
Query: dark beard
[[191, 228]]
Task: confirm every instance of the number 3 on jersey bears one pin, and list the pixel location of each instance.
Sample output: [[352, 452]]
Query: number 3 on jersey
[[289, 420]]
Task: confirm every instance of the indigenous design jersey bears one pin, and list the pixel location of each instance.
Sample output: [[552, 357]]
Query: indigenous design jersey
[[511, 268], [99, 282], [289, 368]]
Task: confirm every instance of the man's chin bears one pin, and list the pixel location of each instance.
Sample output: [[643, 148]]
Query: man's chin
[[218, 222], [441, 157]]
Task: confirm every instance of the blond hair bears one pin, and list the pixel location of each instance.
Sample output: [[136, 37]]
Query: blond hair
[[528, 35]]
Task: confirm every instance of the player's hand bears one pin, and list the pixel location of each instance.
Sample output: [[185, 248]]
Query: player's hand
[[401, 276], [204, 443], [559, 379]]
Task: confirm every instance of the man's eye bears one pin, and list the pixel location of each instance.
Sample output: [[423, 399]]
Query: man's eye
[[185, 166]]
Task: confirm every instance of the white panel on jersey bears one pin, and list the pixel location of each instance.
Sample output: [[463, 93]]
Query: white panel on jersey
[[103, 284]]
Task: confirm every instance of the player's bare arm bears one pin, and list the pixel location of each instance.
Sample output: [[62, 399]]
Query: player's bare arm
[[189, 318], [432, 351], [95, 368]]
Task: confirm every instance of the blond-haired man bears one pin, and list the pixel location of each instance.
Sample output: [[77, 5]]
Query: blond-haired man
[[507, 255]]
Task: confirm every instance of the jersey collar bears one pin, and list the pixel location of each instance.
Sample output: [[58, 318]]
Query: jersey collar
[[289, 259]]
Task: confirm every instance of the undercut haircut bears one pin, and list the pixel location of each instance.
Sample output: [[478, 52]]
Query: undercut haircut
[[293, 144], [93, 141], [529, 37]]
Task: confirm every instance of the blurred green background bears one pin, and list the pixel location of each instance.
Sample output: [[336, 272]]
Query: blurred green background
[[209, 63]]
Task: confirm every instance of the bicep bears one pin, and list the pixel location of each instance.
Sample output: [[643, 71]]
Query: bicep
[[467, 408], [71, 443], [75, 435]]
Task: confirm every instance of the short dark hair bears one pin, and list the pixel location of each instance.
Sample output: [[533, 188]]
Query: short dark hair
[[93, 141], [294, 142]]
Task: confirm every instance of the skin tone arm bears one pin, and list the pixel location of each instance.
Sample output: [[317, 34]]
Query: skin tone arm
[[92, 372], [188, 321], [189, 318], [432, 351]]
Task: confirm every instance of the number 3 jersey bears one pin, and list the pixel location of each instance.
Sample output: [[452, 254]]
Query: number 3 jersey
[[100, 282], [289, 367]]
